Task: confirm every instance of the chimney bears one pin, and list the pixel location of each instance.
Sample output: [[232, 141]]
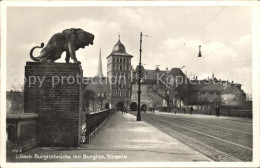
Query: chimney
[[167, 70], [212, 76], [232, 83], [238, 86]]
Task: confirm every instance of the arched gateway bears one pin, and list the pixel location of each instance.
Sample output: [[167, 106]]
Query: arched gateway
[[120, 106], [133, 106], [143, 107]]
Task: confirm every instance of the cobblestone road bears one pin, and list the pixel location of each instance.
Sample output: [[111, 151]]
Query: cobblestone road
[[219, 138]]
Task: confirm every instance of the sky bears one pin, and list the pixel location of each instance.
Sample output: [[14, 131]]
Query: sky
[[225, 34]]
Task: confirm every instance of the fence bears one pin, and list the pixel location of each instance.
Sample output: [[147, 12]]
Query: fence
[[94, 122], [226, 112]]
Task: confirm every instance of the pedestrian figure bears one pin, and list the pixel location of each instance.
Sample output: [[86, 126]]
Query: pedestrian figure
[[123, 110], [217, 109], [229, 112], [153, 109], [191, 109], [144, 108], [184, 110]]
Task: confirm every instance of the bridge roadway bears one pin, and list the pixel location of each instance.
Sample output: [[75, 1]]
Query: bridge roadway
[[158, 137], [122, 139], [219, 138]]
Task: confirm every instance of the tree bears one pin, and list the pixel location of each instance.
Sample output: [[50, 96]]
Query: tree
[[162, 89], [88, 97], [18, 88], [92, 93]]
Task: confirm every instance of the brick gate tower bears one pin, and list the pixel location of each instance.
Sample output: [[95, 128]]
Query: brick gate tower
[[119, 74]]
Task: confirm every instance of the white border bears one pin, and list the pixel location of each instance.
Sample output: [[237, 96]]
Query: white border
[[256, 44]]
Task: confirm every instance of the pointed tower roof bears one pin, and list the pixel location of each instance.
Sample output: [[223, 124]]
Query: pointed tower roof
[[99, 69], [119, 49]]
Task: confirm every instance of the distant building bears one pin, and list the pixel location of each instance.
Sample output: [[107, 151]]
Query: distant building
[[208, 93], [119, 74], [149, 98], [155, 94], [119, 88]]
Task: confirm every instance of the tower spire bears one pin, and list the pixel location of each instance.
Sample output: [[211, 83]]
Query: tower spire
[[99, 70]]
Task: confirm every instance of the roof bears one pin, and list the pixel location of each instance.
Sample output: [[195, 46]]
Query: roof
[[149, 75], [233, 90], [152, 74], [119, 50], [213, 87], [221, 87]]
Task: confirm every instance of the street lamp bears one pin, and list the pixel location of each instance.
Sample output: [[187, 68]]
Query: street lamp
[[199, 55], [138, 118]]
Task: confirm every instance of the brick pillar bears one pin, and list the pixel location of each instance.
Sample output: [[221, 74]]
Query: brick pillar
[[58, 101]]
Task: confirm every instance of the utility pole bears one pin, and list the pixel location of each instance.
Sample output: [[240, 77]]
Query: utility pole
[[187, 87], [139, 81]]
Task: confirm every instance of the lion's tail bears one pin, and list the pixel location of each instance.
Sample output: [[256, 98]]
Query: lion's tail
[[31, 53]]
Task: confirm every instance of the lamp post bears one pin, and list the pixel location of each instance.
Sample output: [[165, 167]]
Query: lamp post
[[138, 118]]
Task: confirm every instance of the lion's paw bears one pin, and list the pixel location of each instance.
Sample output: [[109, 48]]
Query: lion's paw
[[78, 62]]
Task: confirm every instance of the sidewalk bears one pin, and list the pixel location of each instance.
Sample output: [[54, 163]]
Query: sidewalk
[[124, 139]]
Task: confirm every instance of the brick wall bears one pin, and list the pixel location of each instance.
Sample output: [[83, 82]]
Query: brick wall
[[58, 101]]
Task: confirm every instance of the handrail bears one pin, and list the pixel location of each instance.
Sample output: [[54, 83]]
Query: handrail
[[94, 122], [95, 112]]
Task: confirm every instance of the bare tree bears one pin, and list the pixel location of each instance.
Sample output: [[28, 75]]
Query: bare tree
[[88, 96], [18, 88], [163, 91]]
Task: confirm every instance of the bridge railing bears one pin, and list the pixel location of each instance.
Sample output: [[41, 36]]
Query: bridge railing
[[94, 122]]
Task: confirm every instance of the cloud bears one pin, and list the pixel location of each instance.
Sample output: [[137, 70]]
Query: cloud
[[226, 45], [228, 61]]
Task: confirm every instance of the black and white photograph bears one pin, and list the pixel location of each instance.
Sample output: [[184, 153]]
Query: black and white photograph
[[126, 84]]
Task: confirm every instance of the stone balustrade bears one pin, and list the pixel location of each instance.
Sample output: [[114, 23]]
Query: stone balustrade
[[21, 132]]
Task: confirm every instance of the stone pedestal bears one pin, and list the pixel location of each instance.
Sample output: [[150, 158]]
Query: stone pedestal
[[21, 131], [54, 91]]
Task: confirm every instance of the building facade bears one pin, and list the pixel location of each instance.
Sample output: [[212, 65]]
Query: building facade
[[119, 74]]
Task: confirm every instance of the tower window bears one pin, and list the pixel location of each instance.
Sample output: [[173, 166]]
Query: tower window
[[120, 67]]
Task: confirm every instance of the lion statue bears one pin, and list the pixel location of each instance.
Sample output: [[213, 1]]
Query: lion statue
[[69, 40]]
